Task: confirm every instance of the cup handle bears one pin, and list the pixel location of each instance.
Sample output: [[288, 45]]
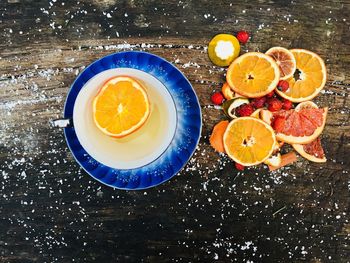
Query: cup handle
[[61, 123]]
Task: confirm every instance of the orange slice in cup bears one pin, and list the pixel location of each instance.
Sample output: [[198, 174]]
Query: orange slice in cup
[[120, 107]]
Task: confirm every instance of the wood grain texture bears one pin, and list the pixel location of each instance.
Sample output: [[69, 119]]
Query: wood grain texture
[[52, 211]]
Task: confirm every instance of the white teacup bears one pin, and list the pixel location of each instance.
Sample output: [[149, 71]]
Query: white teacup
[[139, 148]]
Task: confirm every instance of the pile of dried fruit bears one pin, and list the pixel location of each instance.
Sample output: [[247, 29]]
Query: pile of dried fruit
[[260, 99]]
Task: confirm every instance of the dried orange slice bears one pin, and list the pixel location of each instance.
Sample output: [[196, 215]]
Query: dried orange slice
[[285, 61], [253, 74], [228, 93], [120, 107], [309, 78], [306, 105], [249, 141]]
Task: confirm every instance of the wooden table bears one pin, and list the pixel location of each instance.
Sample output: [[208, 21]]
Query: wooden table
[[52, 211]]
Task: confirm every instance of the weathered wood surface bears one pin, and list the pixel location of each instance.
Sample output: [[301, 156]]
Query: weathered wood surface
[[51, 211]]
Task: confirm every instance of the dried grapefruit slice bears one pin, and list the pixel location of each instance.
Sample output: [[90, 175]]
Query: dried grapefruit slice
[[312, 151], [120, 107], [285, 61], [249, 141], [253, 75], [309, 79], [299, 126]]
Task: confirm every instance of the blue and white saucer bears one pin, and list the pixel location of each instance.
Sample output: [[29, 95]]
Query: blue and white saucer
[[167, 159]]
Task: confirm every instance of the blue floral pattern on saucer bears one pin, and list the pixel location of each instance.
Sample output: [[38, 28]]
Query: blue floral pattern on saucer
[[187, 132]]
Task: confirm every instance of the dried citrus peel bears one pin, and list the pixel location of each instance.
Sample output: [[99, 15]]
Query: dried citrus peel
[[216, 138]]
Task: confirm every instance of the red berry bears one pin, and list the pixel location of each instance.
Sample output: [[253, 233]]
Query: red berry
[[244, 110], [283, 85], [259, 102], [239, 166], [287, 104], [274, 104], [278, 124], [271, 94], [242, 36], [217, 98]]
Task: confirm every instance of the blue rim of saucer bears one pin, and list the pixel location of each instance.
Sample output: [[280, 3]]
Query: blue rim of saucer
[[185, 139]]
